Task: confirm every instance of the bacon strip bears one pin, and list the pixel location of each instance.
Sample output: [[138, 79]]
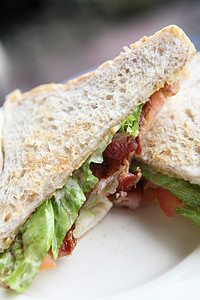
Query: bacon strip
[[128, 180], [68, 245], [120, 147]]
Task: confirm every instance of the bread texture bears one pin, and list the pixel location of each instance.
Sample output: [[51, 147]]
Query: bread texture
[[172, 146], [51, 130]]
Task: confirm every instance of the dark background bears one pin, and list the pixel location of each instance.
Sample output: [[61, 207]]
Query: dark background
[[43, 41]]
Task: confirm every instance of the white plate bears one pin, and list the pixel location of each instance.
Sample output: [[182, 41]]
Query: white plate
[[130, 255]]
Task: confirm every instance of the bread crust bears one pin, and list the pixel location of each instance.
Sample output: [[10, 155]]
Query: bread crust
[[51, 130]]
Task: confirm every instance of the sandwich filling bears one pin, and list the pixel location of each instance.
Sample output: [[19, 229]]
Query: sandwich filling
[[103, 180], [174, 195]]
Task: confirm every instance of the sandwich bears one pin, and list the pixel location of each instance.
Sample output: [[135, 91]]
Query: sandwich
[[66, 151], [169, 161]]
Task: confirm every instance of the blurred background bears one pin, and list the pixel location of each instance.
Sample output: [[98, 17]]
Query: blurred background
[[43, 41]]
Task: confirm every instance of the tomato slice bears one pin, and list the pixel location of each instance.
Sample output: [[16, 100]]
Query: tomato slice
[[47, 263], [168, 202], [149, 194]]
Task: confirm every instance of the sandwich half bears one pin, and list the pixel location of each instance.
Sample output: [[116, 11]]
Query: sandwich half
[[66, 150], [170, 161]]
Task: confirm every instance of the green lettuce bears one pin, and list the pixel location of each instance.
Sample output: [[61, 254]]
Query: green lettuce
[[66, 205], [192, 214], [36, 237], [131, 125], [188, 193]]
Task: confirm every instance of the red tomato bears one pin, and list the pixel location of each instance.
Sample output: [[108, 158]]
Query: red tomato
[[168, 202], [47, 263], [149, 195]]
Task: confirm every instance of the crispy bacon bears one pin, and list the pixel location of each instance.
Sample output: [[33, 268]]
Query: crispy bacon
[[108, 167], [128, 195], [145, 110], [68, 245], [128, 180], [116, 157], [138, 151], [120, 147]]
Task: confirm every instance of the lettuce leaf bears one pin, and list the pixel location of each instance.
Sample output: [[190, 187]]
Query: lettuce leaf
[[131, 125], [188, 193], [192, 214], [66, 205], [34, 237]]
